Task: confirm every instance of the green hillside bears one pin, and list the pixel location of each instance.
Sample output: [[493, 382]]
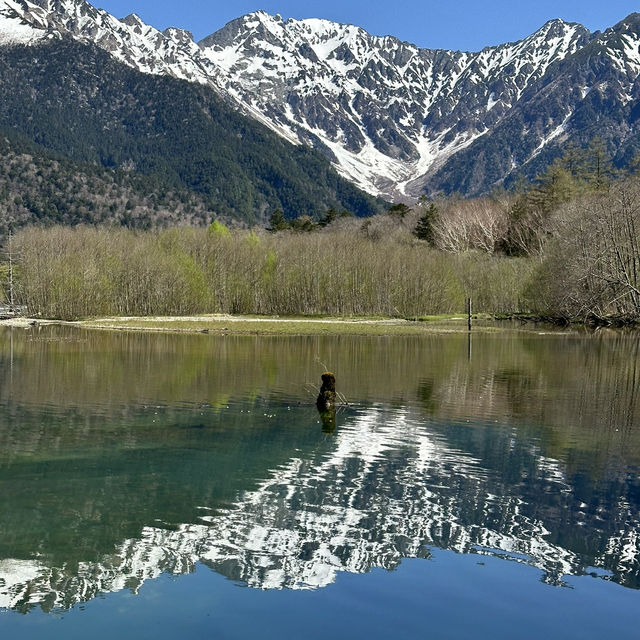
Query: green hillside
[[168, 140]]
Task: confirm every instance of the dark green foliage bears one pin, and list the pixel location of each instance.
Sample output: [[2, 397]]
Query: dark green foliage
[[41, 187], [331, 215], [76, 101], [424, 229], [599, 171], [277, 221], [398, 211], [303, 224]]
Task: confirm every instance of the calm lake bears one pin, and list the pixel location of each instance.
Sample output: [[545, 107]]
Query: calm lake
[[163, 486]]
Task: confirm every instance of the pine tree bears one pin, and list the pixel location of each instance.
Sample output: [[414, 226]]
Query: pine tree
[[425, 226], [555, 186], [574, 160], [600, 169], [398, 211], [329, 216], [303, 224], [277, 221]]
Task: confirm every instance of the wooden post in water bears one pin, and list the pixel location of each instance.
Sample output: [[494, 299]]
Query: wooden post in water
[[11, 299], [10, 360], [469, 313]]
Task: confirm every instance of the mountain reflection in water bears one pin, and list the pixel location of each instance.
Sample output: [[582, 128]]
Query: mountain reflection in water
[[393, 480]]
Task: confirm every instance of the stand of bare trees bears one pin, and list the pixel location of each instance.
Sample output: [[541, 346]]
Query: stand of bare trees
[[592, 265], [83, 272], [464, 225]]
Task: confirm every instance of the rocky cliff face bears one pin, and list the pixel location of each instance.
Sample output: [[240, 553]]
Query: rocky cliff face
[[389, 112]]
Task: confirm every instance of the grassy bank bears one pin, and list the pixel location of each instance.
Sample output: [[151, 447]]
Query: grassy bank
[[244, 325], [275, 326]]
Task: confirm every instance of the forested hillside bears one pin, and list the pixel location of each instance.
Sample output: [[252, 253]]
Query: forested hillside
[[39, 187], [175, 141]]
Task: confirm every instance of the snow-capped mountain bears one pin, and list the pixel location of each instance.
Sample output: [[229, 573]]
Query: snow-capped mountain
[[394, 118], [388, 111], [172, 52]]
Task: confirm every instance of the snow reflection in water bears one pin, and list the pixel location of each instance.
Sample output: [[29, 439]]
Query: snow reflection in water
[[389, 487]]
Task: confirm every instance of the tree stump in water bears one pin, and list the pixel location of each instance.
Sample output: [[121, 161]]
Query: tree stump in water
[[328, 419], [327, 397]]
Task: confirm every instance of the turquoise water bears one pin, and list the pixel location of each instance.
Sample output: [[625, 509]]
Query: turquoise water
[[163, 486]]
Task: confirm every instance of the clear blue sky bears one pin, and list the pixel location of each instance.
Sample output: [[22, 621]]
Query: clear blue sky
[[461, 24]]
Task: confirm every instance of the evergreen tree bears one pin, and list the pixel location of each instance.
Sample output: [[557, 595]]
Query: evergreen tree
[[424, 229], [574, 161], [277, 221], [398, 211], [303, 224], [555, 186], [600, 171], [329, 216]]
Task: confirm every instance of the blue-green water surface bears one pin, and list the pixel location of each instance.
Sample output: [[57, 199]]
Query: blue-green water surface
[[162, 486]]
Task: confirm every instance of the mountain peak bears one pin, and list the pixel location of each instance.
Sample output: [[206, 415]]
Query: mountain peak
[[256, 18], [629, 24], [632, 18], [559, 28], [227, 34], [132, 20], [178, 35], [557, 22]]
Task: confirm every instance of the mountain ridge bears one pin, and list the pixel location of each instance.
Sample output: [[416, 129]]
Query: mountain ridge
[[396, 119]]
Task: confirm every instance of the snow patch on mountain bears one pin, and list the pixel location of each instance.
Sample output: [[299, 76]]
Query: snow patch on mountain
[[13, 29], [129, 40], [555, 133]]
